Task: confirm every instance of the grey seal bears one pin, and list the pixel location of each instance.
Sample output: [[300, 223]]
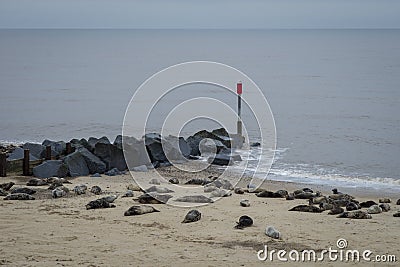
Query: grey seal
[[336, 210], [245, 203], [355, 214], [306, 208], [19, 196], [95, 190], [60, 191], [374, 209], [139, 210], [195, 199], [218, 192], [197, 181], [80, 189], [385, 207], [154, 198], [239, 191], [158, 189], [24, 190], [272, 232], [36, 182], [244, 221], [154, 181], [192, 216], [128, 193], [7, 186], [384, 200], [110, 198], [174, 180], [100, 203]]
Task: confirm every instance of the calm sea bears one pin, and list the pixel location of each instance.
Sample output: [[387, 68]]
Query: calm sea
[[335, 94]]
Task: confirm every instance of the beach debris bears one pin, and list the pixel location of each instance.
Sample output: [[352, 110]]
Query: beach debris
[[272, 232], [218, 192], [154, 181], [128, 193], [352, 206], [192, 216], [139, 210], [25, 190], [239, 191], [60, 191], [245, 203], [19, 196], [384, 200], [396, 214], [36, 182], [355, 214], [368, 204], [133, 187], [96, 175], [174, 180], [244, 221], [95, 190], [158, 189], [80, 189], [7, 186], [374, 209], [195, 199], [306, 208], [100, 203], [154, 198], [335, 210], [385, 207], [197, 181]]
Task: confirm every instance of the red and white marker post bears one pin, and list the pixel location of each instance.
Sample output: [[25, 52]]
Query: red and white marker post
[[239, 91]]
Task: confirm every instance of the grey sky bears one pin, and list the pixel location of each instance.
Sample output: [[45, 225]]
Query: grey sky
[[199, 14]]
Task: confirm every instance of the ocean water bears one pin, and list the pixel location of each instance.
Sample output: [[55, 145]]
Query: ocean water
[[335, 94]]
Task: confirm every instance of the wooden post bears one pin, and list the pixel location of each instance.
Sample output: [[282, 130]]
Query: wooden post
[[25, 166], [3, 165], [48, 152], [68, 148]]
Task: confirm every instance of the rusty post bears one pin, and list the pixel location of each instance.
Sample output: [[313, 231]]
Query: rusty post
[[3, 165], [68, 148], [48, 153], [25, 166]]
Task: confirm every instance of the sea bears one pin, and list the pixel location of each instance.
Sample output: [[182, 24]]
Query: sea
[[334, 94]]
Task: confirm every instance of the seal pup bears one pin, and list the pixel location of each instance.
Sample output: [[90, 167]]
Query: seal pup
[[245, 203], [7, 186], [24, 190], [355, 214], [134, 187], [36, 182], [290, 196], [95, 190], [139, 210], [244, 221], [174, 180], [272, 232], [195, 199], [58, 192], [385, 207], [192, 216], [374, 209], [306, 208], [154, 198], [100, 203], [19, 196]]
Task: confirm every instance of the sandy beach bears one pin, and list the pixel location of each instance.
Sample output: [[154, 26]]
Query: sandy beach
[[61, 232]]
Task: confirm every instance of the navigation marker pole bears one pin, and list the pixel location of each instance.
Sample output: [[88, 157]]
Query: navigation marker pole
[[239, 91]]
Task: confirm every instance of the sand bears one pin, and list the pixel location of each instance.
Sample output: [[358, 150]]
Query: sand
[[61, 232]]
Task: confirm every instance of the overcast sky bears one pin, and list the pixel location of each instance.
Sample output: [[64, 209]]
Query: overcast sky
[[200, 14]]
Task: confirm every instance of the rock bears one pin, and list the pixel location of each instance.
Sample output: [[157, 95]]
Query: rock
[[100, 203], [7, 186], [174, 180], [92, 141], [245, 203], [58, 192], [239, 191], [18, 153], [374, 209], [95, 190], [36, 182], [114, 172], [154, 148], [140, 210], [136, 153], [80, 189], [141, 168], [272, 232], [111, 155], [82, 143], [195, 199], [244, 221], [96, 175], [192, 216], [57, 147], [306, 208], [76, 164], [36, 150], [158, 189], [385, 207], [355, 214], [180, 145], [154, 181], [93, 163], [128, 193], [384, 200], [133, 187], [222, 159], [24, 190], [19, 196], [50, 168]]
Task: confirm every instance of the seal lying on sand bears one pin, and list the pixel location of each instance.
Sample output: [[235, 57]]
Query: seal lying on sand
[[368, 204], [192, 216], [195, 199], [336, 210], [385, 207], [80, 189], [197, 181], [110, 198], [174, 180], [158, 189], [128, 193], [154, 198], [3, 193], [244, 221], [269, 194], [220, 193], [239, 191], [7, 186], [36, 182], [397, 214], [24, 190], [19, 196], [95, 190], [306, 208], [245, 203], [60, 191], [139, 210], [100, 203], [355, 214]]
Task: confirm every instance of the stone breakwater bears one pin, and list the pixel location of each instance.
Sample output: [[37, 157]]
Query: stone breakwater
[[81, 157]]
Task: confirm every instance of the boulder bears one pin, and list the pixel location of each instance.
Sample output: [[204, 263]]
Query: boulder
[[35, 150], [155, 150], [135, 153], [76, 164], [94, 164], [58, 147], [18, 153], [75, 143], [50, 168], [141, 168], [224, 159], [92, 141], [111, 155], [180, 145]]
